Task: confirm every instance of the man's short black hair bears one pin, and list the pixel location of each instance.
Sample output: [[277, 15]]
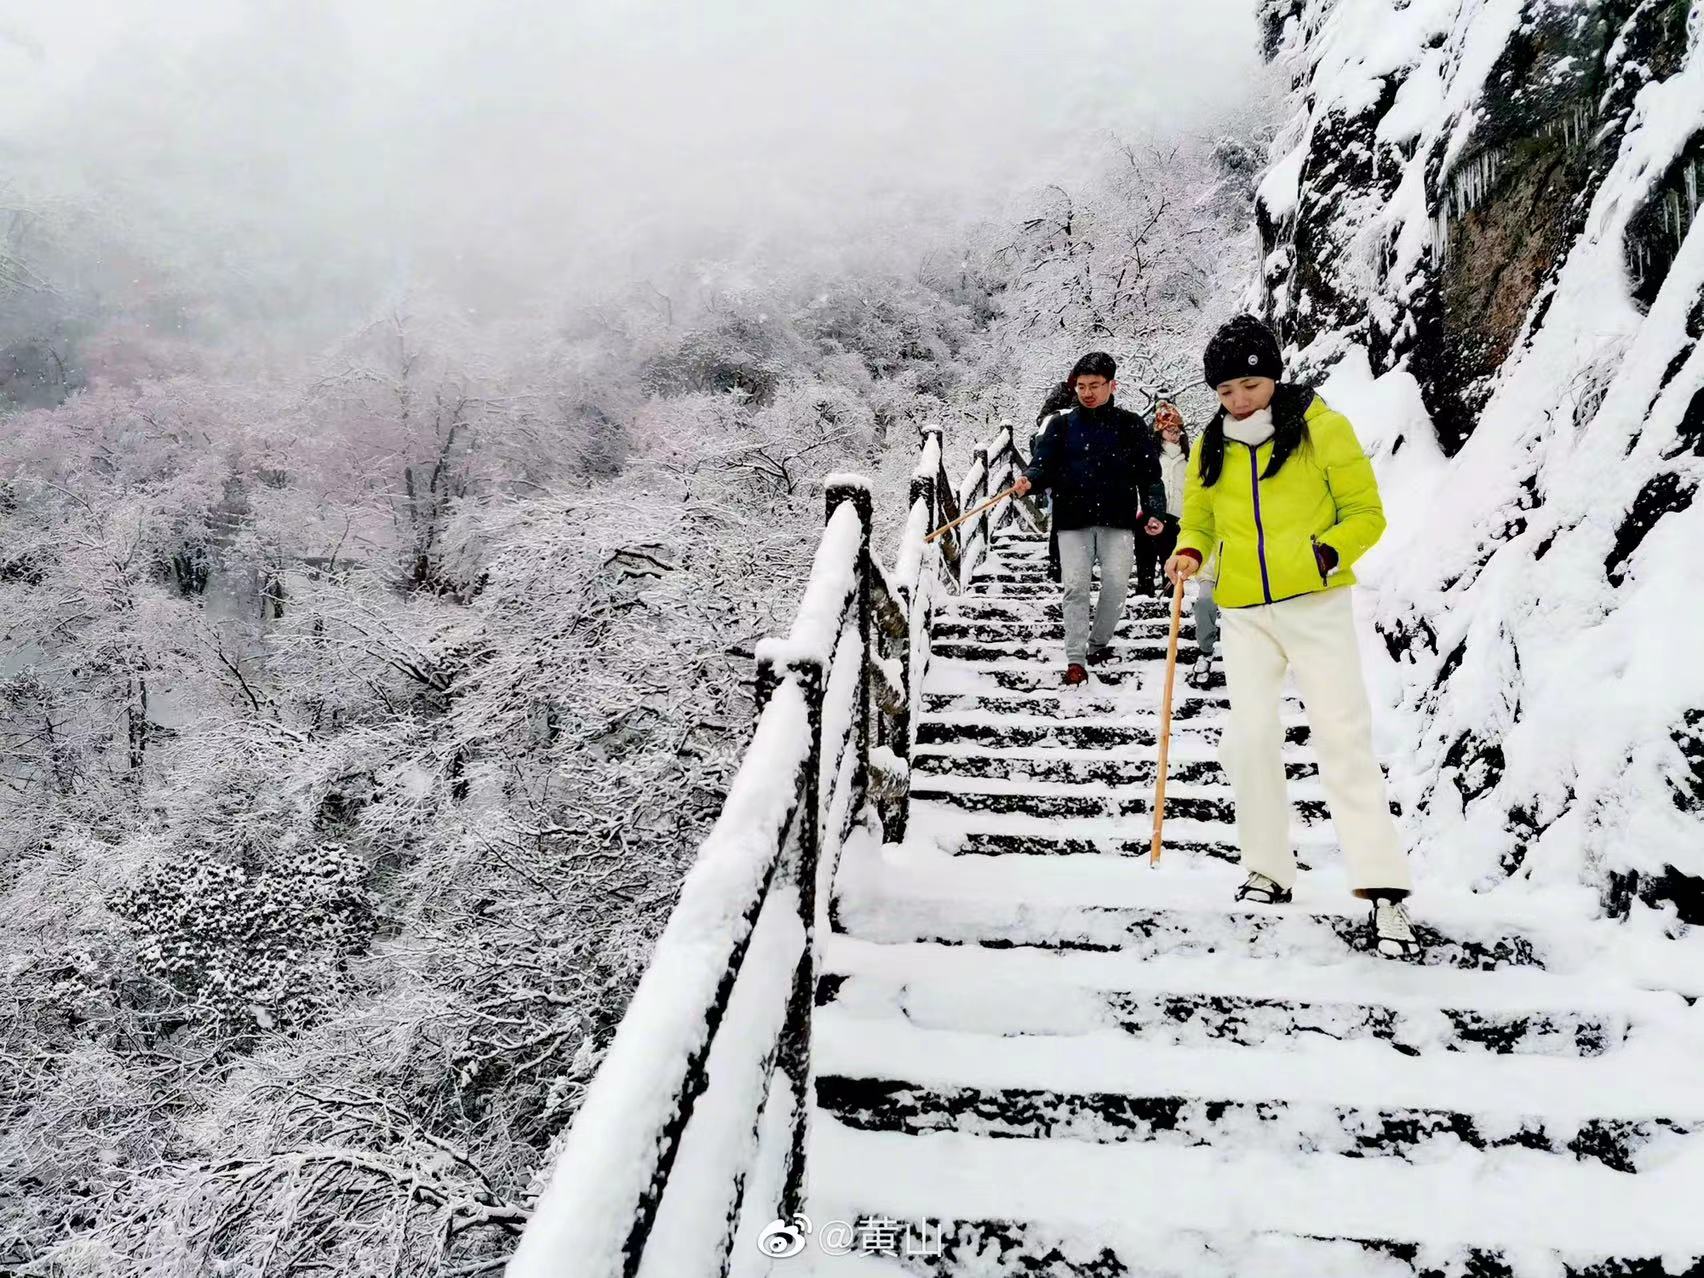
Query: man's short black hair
[[1094, 364]]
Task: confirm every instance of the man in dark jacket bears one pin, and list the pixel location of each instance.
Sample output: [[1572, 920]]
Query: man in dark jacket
[[1101, 466], [1060, 400]]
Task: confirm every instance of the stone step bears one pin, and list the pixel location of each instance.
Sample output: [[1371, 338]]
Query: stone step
[[999, 564], [984, 1205], [989, 593], [1528, 1014], [1002, 843], [960, 832], [1040, 591], [1263, 1124], [1013, 731], [1008, 630], [947, 826], [917, 1073], [1020, 569], [1188, 703], [1055, 800], [992, 580], [951, 1246], [1078, 766], [1033, 676], [1031, 604], [890, 915], [1124, 651]]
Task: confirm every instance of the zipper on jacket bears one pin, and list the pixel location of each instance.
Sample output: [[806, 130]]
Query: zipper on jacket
[[1259, 528]]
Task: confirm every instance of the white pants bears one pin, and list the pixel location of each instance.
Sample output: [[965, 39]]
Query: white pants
[[1078, 550], [1314, 635]]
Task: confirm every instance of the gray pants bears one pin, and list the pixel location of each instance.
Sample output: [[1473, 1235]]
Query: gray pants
[[1078, 550], [1206, 620]]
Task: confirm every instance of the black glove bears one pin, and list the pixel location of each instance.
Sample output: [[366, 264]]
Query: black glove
[[1325, 556]]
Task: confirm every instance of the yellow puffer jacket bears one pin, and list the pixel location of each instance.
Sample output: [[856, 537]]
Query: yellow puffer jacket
[[1265, 529]]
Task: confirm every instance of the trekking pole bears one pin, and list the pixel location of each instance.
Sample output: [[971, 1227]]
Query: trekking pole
[[972, 514], [1165, 724]]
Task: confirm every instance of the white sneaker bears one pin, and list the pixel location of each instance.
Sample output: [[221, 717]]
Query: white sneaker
[[1393, 930]]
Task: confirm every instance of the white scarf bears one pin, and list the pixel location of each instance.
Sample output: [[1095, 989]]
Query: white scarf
[[1174, 470], [1253, 430]]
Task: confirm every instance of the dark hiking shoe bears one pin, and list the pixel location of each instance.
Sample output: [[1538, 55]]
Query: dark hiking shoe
[[1075, 674], [1392, 931], [1100, 656], [1262, 890]]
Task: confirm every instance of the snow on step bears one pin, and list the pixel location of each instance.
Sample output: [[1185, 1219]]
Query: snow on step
[[974, 762], [1043, 606], [1024, 1020], [1123, 768], [1056, 703], [1009, 653], [957, 831], [1155, 1210], [883, 1071], [1017, 730], [1231, 1000], [1046, 798], [915, 892], [1014, 628]]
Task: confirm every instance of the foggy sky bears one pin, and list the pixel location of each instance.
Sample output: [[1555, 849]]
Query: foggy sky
[[503, 149]]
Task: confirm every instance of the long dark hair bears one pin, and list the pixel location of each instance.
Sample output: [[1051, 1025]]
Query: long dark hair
[[1289, 428], [1058, 399]]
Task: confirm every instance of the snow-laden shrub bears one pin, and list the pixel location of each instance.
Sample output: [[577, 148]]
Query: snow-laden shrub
[[260, 947]]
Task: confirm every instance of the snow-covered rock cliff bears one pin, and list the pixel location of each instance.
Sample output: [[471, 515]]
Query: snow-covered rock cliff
[[1479, 228]]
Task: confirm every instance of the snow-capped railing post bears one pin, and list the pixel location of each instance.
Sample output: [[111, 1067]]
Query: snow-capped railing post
[[945, 500], [793, 1044], [976, 536], [855, 489], [923, 475], [1003, 460], [900, 605]]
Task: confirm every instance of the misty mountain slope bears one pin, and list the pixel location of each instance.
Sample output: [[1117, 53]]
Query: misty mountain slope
[[1480, 221]]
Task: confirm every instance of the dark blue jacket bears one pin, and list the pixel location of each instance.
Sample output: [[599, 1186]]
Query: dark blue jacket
[[1102, 467]]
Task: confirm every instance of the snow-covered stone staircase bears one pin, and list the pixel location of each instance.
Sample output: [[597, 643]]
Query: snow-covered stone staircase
[[1034, 1054]]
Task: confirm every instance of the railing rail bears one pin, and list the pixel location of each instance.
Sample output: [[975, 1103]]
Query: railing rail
[[691, 1137]]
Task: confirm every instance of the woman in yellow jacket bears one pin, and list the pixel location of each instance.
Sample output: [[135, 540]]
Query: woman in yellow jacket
[[1280, 488]]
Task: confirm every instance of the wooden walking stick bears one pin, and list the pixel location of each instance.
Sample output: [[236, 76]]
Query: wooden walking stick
[[972, 514], [1165, 724]]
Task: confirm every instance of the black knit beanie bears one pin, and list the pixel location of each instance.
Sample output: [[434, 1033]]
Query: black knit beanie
[[1245, 347]]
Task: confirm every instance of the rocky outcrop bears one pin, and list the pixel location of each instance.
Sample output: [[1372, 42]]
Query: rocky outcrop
[[1489, 208]]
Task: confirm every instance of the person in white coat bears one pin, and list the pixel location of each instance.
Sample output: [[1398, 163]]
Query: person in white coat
[[1175, 453], [1153, 550]]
